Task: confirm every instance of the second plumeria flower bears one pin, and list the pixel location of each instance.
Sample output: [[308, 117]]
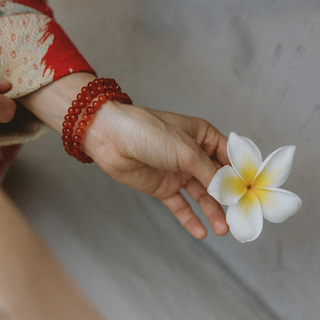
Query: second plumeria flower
[[250, 187]]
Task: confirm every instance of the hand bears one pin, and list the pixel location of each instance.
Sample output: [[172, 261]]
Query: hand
[[159, 153], [7, 106], [154, 152]]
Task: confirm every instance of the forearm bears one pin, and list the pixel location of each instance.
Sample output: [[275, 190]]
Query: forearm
[[51, 103], [33, 283]]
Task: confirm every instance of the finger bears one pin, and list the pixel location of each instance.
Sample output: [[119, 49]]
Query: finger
[[211, 208], [215, 146], [181, 209], [7, 109], [4, 85]]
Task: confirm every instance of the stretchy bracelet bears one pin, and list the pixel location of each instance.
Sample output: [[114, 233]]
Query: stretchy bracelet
[[88, 101]]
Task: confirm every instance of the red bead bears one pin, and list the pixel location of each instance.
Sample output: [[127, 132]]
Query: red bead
[[97, 82], [79, 132], [108, 95], [82, 104], [67, 131], [86, 117], [71, 124], [100, 89], [80, 96], [73, 118], [96, 105], [66, 138], [71, 110], [67, 117], [76, 145], [82, 124], [115, 95], [88, 99], [77, 138], [75, 103], [77, 111], [67, 144], [94, 93], [102, 99], [91, 110], [85, 90], [91, 86], [65, 124]]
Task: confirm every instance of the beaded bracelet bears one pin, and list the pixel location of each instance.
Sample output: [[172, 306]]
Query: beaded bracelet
[[86, 102]]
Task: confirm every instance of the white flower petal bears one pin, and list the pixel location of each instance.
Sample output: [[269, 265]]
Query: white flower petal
[[277, 204], [226, 186], [245, 157], [245, 218], [276, 168]]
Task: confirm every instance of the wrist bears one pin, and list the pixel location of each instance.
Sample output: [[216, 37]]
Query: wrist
[[50, 103]]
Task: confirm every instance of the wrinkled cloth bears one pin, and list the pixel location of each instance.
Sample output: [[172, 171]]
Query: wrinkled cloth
[[34, 51]]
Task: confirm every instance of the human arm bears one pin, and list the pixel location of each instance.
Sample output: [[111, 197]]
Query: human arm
[[154, 152], [34, 285]]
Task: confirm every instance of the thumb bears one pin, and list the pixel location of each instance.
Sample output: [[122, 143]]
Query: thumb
[[7, 106], [198, 164], [4, 85]]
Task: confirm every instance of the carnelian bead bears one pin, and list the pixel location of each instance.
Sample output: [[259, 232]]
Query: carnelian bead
[[100, 89], [91, 85], [65, 124], [67, 131], [88, 99], [91, 110], [108, 95], [67, 117], [102, 99], [94, 93], [77, 138], [96, 105], [82, 104], [115, 95], [74, 118], [79, 132], [86, 117], [97, 82], [75, 145], [71, 110], [80, 96], [85, 90], [76, 152], [82, 124], [75, 103], [67, 144], [77, 111], [66, 138]]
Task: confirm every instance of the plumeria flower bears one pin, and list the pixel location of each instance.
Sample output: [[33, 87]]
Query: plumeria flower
[[250, 187]]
